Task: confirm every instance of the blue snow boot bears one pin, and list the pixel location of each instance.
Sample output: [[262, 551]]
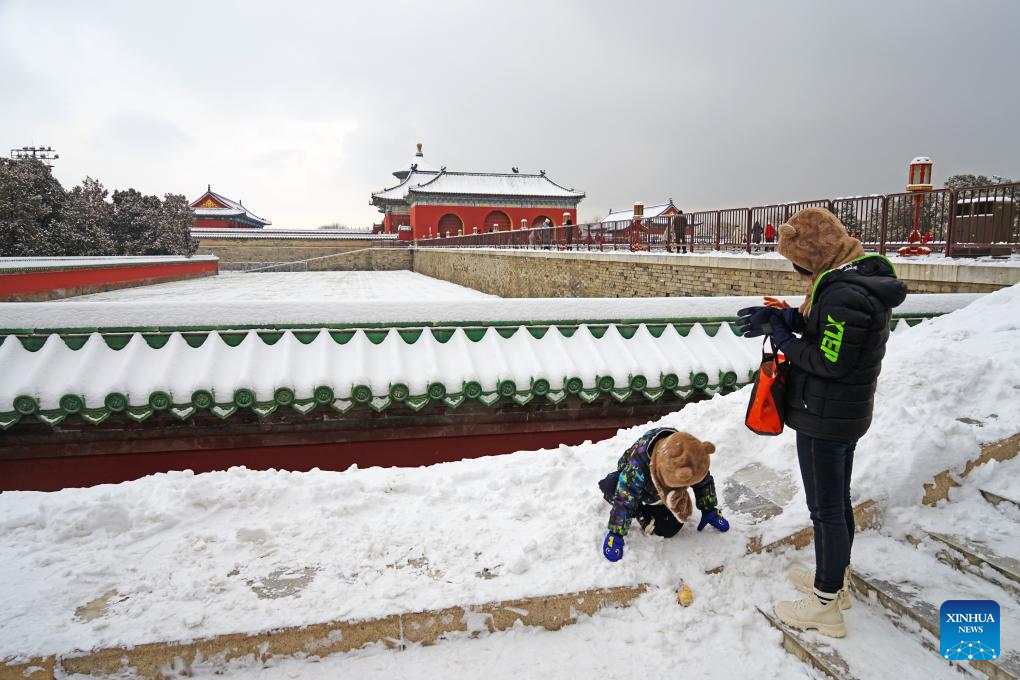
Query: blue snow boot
[[612, 548]]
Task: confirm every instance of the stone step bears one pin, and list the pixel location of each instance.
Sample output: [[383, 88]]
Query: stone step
[[909, 611], [965, 555], [874, 648], [397, 631], [811, 649], [997, 499]]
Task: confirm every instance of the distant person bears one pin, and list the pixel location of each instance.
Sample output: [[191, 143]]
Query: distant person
[[681, 231], [756, 232], [569, 226], [830, 390], [547, 236], [770, 237]]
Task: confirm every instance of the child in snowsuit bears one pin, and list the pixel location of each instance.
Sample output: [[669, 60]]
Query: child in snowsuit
[[650, 485]]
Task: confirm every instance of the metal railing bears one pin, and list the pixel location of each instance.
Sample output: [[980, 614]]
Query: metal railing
[[961, 222]]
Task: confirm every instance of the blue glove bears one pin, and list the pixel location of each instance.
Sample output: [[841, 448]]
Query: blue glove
[[781, 333], [792, 317], [754, 321], [715, 518], [612, 548]]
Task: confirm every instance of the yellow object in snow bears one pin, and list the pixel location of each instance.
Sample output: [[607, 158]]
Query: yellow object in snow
[[684, 595]]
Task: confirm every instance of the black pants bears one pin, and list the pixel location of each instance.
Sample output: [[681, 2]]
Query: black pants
[[825, 467], [681, 238]]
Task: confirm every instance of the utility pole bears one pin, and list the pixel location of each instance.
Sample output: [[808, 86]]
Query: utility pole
[[41, 153]]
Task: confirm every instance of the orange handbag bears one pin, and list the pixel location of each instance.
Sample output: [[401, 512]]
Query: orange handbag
[[766, 409]]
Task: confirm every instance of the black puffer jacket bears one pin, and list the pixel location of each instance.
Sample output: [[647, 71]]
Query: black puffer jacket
[[834, 366]]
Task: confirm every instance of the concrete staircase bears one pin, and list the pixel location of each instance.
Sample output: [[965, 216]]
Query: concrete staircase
[[898, 587]]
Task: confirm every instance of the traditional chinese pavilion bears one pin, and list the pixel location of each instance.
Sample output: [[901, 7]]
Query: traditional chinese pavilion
[[431, 201], [213, 210], [659, 210]]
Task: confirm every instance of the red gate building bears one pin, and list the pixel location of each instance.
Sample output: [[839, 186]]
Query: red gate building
[[439, 202], [215, 211]]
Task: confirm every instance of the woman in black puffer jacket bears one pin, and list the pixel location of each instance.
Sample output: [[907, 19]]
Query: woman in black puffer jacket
[[834, 367]]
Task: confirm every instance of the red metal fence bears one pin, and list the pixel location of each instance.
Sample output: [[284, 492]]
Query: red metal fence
[[974, 221]]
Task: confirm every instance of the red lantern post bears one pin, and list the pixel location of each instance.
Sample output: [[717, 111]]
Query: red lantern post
[[918, 182], [635, 227]]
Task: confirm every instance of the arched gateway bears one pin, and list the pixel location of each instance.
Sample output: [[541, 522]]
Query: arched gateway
[[497, 220], [450, 225]]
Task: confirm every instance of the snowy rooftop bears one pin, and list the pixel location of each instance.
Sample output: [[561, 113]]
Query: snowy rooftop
[[418, 163], [650, 211], [452, 183], [381, 369], [212, 204], [399, 192], [494, 184], [361, 358]]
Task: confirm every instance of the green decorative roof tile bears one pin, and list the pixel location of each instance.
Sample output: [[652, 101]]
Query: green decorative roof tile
[[71, 403], [410, 335], [270, 337], [538, 332], [244, 397], [198, 339]]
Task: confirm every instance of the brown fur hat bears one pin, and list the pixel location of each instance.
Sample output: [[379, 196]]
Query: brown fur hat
[[677, 462], [814, 240]]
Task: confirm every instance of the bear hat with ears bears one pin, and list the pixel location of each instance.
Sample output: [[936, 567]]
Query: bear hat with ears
[[678, 462], [814, 240]]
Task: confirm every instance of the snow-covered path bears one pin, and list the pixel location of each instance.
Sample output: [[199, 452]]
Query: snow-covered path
[[295, 287], [187, 554]]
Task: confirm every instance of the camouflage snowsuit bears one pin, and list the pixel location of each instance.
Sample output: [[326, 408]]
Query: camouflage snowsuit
[[634, 496]]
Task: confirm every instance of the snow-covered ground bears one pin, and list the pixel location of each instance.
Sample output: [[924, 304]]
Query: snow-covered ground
[[294, 287], [187, 554]]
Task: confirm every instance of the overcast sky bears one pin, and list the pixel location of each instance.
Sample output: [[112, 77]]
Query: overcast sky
[[303, 109]]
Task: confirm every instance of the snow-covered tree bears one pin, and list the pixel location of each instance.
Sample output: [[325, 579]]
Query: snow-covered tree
[[134, 218], [84, 224], [174, 226], [30, 204], [846, 212], [144, 225], [966, 180]]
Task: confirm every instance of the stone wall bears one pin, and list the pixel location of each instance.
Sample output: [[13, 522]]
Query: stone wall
[[510, 273], [273, 250], [365, 260]]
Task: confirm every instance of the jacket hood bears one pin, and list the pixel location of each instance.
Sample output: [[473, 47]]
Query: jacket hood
[[875, 273]]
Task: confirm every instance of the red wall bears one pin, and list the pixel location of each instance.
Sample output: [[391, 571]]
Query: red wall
[[221, 224], [52, 473], [426, 217], [392, 221], [34, 282]]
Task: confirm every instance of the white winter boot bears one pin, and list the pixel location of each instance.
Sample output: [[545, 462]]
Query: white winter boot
[[804, 581], [810, 613]]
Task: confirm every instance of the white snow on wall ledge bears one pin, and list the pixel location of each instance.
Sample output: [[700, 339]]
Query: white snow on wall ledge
[[313, 313], [184, 550], [138, 370], [59, 263]]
